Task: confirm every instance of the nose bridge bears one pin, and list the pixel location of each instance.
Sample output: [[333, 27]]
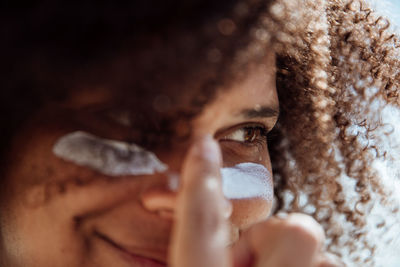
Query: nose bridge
[[174, 156]]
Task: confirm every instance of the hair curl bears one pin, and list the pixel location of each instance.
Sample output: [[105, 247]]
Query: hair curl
[[335, 60]]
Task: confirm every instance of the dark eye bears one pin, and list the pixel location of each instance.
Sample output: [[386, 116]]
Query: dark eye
[[247, 134]]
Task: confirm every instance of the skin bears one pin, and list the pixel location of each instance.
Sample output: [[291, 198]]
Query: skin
[[139, 221]]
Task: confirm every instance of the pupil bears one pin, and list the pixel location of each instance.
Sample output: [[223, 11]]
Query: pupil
[[249, 135]]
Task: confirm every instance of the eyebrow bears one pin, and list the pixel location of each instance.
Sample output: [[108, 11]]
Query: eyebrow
[[261, 112]]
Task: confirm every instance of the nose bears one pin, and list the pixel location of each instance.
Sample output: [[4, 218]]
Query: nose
[[162, 200]]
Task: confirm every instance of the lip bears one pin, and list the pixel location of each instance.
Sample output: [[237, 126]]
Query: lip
[[133, 259]]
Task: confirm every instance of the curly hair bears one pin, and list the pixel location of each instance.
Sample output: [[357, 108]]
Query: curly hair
[[338, 65], [335, 60]]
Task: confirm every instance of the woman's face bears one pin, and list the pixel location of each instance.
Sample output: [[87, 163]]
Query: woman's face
[[59, 213]]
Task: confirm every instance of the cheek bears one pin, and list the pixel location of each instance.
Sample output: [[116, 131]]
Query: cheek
[[234, 153], [247, 212], [249, 187]]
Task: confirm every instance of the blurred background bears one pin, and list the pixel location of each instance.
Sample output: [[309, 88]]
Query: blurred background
[[389, 255]]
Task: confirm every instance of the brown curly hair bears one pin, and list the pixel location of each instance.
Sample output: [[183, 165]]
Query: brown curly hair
[[335, 58]]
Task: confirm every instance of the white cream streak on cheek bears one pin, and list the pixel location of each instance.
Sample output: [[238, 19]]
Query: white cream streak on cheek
[[242, 181], [247, 180], [109, 157]]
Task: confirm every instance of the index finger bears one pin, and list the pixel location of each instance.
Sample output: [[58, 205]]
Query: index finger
[[200, 232]]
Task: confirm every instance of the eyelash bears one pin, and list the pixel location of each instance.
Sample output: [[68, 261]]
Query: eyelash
[[260, 139]]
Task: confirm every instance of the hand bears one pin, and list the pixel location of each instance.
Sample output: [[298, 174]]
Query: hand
[[200, 235]]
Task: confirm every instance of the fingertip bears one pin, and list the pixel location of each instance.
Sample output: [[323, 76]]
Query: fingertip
[[207, 149], [203, 161], [309, 225]]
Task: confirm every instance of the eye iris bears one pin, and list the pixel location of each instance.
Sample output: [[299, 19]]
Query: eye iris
[[249, 134]]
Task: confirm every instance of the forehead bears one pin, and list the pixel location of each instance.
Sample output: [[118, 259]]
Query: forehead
[[160, 101], [178, 70], [252, 96]]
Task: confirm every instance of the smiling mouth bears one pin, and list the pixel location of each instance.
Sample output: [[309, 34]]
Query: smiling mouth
[[131, 258]]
